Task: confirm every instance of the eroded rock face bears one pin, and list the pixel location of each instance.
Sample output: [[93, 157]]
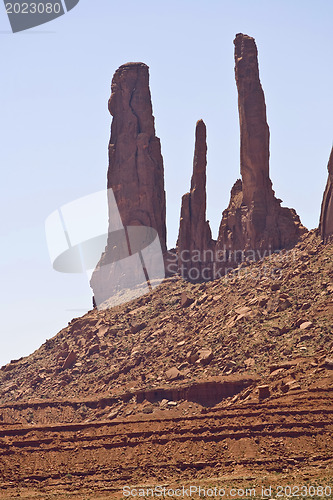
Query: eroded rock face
[[326, 215], [136, 173], [254, 219], [136, 179], [195, 245]]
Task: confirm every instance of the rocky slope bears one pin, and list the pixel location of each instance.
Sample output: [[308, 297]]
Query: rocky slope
[[277, 312], [206, 384]]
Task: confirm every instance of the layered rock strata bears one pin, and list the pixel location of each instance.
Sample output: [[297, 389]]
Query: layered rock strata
[[195, 245], [326, 215]]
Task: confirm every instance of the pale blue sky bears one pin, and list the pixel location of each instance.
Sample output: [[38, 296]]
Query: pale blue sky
[[55, 83]]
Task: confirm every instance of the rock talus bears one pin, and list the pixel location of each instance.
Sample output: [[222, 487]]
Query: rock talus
[[195, 245], [135, 176], [326, 215]]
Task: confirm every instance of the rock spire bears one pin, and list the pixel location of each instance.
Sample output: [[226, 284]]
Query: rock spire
[[135, 181], [136, 172], [254, 218], [195, 244], [326, 216], [254, 221]]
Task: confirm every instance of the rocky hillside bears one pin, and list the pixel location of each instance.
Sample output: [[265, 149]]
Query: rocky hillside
[[268, 324]]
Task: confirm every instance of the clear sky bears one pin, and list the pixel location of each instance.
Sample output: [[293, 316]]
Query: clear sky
[[55, 125]]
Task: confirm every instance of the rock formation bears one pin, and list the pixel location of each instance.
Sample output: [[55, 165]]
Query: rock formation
[[254, 222], [135, 173], [254, 132], [195, 245], [254, 219], [326, 215]]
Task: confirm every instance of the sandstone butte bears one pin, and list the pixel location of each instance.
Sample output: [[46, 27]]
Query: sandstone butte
[[223, 384], [326, 216]]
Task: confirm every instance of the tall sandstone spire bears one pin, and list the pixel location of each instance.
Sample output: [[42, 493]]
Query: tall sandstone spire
[[254, 131], [135, 176], [326, 216], [195, 244], [254, 219]]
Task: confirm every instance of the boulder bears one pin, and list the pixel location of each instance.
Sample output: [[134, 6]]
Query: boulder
[[306, 325], [172, 374], [264, 392], [185, 301], [70, 360], [205, 356]]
